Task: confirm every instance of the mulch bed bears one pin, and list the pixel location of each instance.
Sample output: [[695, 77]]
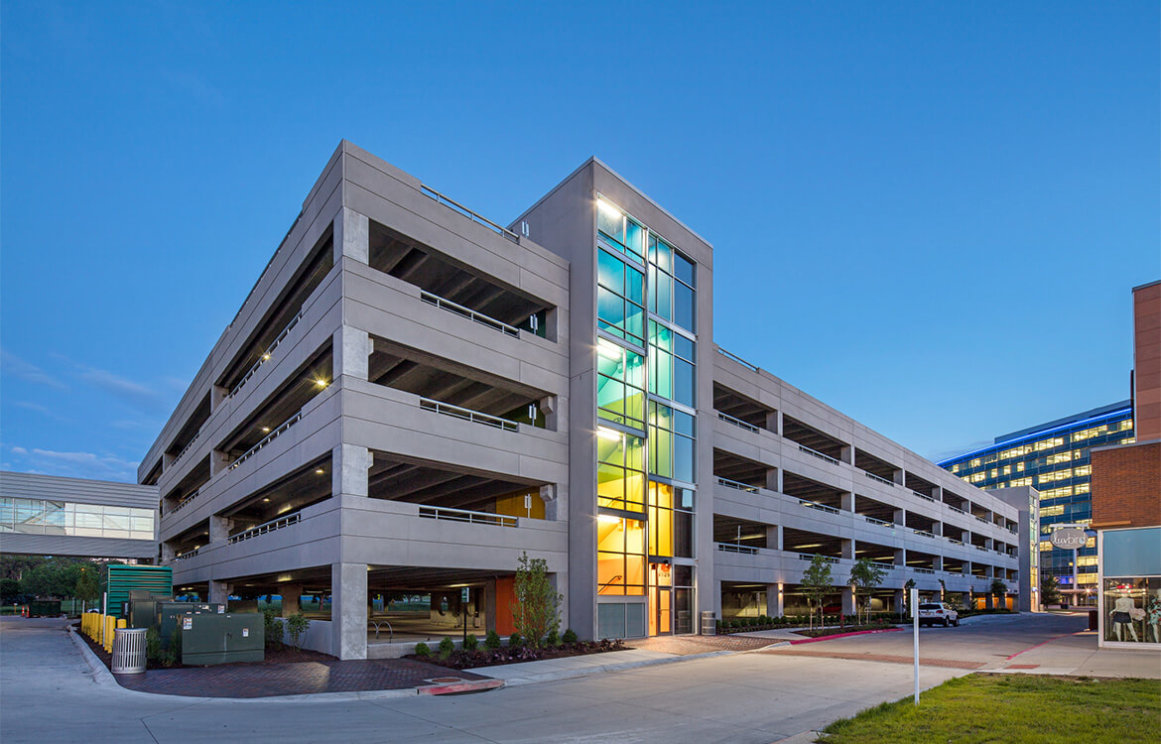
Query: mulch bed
[[840, 631], [484, 657]]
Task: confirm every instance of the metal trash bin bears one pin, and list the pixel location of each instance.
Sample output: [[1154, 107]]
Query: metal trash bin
[[709, 623], [129, 651]]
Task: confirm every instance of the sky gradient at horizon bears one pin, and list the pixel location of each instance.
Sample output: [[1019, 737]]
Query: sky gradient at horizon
[[927, 216]]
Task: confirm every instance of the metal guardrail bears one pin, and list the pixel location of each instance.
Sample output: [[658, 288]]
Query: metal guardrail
[[473, 216], [186, 554], [737, 422], [468, 414], [816, 453], [738, 359], [923, 533], [921, 570], [980, 547], [810, 557], [923, 496], [262, 529], [181, 504], [880, 522], [470, 314], [266, 355], [471, 517], [742, 549], [956, 509], [820, 507], [878, 478], [188, 444], [737, 485], [266, 440], [954, 541]]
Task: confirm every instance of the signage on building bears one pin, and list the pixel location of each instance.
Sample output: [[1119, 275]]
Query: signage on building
[[1069, 538]]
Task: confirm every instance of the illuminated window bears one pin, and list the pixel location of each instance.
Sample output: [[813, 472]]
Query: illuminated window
[[619, 231], [1019, 467], [620, 384], [993, 473], [671, 364], [620, 470], [975, 462], [977, 478], [670, 521], [620, 556], [1126, 424], [1128, 440], [1083, 487], [1096, 431], [1056, 475], [1052, 511], [1007, 470], [1086, 578], [955, 468], [620, 298], [1082, 470], [1044, 444], [671, 443], [671, 284]]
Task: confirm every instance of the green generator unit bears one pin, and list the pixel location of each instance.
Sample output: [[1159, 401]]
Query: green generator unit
[[222, 639], [169, 616], [128, 582]]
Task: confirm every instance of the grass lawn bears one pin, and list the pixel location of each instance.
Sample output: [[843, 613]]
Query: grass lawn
[[1013, 709]]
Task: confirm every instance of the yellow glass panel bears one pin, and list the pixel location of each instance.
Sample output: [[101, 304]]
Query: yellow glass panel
[[610, 574]]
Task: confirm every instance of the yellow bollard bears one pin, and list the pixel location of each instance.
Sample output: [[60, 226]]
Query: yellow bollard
[[110, 626]]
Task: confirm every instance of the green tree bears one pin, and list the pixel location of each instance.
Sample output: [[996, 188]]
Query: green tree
[[1049, 590], [296, 626], [907, 595], [866, 575], [999, 591], [816, 584], [88, 586], [535, 613]]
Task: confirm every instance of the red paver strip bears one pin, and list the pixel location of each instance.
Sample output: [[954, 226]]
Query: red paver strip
[[844, 635], [1050, 640], [888, 658], [265, 680], [1022, 666]]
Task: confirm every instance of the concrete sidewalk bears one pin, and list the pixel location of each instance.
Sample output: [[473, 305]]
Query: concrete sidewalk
[[1077, 655]]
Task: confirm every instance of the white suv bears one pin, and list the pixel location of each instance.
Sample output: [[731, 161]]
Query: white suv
[[931, 613]]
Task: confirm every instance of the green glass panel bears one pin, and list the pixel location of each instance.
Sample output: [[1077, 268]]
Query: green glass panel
[[635, 239], [635, 369], [662, 379], [610, 307], [635, 320], [634, 285], [634, 452], [610, 394], [664, 287]]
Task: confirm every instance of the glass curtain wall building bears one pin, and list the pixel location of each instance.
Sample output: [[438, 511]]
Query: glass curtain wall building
[[1054, 459]]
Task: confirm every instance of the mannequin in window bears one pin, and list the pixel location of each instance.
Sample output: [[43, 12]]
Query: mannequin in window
[[1122, 617], [1153, 615]]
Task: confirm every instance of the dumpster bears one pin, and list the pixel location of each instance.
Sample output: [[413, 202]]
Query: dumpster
[[210, 638], [128, 651]]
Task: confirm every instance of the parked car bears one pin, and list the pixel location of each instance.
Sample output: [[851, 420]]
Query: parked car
[[942, 613]]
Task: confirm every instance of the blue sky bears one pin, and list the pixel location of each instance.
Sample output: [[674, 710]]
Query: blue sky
[[928, 215]]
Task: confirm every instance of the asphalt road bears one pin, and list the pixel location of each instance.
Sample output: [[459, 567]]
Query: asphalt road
[[48, 693]]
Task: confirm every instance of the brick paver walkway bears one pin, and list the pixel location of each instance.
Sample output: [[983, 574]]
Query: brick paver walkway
[[301, 678]]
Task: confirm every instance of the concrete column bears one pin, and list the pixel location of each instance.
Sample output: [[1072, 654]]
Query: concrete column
[[489, 605], [548, 496], [774, 537], [774, 480], [899, 517], [219, 592], [848, 601], [900, 557], [898, 601], [774, 422], [937, 493], [847, 454], [167, 460], [291, 597], [219, 461], [349, 472], [352, 236], [774, 600], [937, 529], [548, 406], [220, 529], [352, 349], [848, 549], [937, 562], [897, 477], [167, 553], [218, 395], [349, 610], [848, 501]]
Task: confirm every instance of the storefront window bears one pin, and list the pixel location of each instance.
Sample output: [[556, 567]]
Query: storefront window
[[1133, 609]]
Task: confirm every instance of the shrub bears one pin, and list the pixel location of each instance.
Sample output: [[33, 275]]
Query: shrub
[[552, 639], [422, 650], [569, 636], [153, 646], [514, 640], [272, 629], [296, 626], [492, 640], [471, 643], [446, 646]]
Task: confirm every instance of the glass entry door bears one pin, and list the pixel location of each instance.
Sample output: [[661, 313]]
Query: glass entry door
[[660, 599]]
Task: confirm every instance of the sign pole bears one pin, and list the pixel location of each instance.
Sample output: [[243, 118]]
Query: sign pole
[[915, 632]]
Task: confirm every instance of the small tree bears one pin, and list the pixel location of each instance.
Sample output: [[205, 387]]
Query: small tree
[[999, 591], [296, 626], [866, 575], [816, 583], [535, 613], [88, 587], [907, 595], [1049, 590]]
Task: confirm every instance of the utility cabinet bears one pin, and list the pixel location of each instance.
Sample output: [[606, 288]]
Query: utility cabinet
[[222, 639]]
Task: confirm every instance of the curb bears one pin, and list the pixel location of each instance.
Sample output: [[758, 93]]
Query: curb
[[586, 671], [457, 688]]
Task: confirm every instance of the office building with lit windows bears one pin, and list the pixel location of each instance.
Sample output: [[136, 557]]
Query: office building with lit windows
[[1054, 458], [413, 397]]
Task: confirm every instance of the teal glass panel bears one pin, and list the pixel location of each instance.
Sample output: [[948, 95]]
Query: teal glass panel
[[611, 222], [611, 272], [683, 423], [634, 285], [610, 307], [635, 239], [683, 391], [662, 255], [635, 321], [683, 458], [1133, 552]]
